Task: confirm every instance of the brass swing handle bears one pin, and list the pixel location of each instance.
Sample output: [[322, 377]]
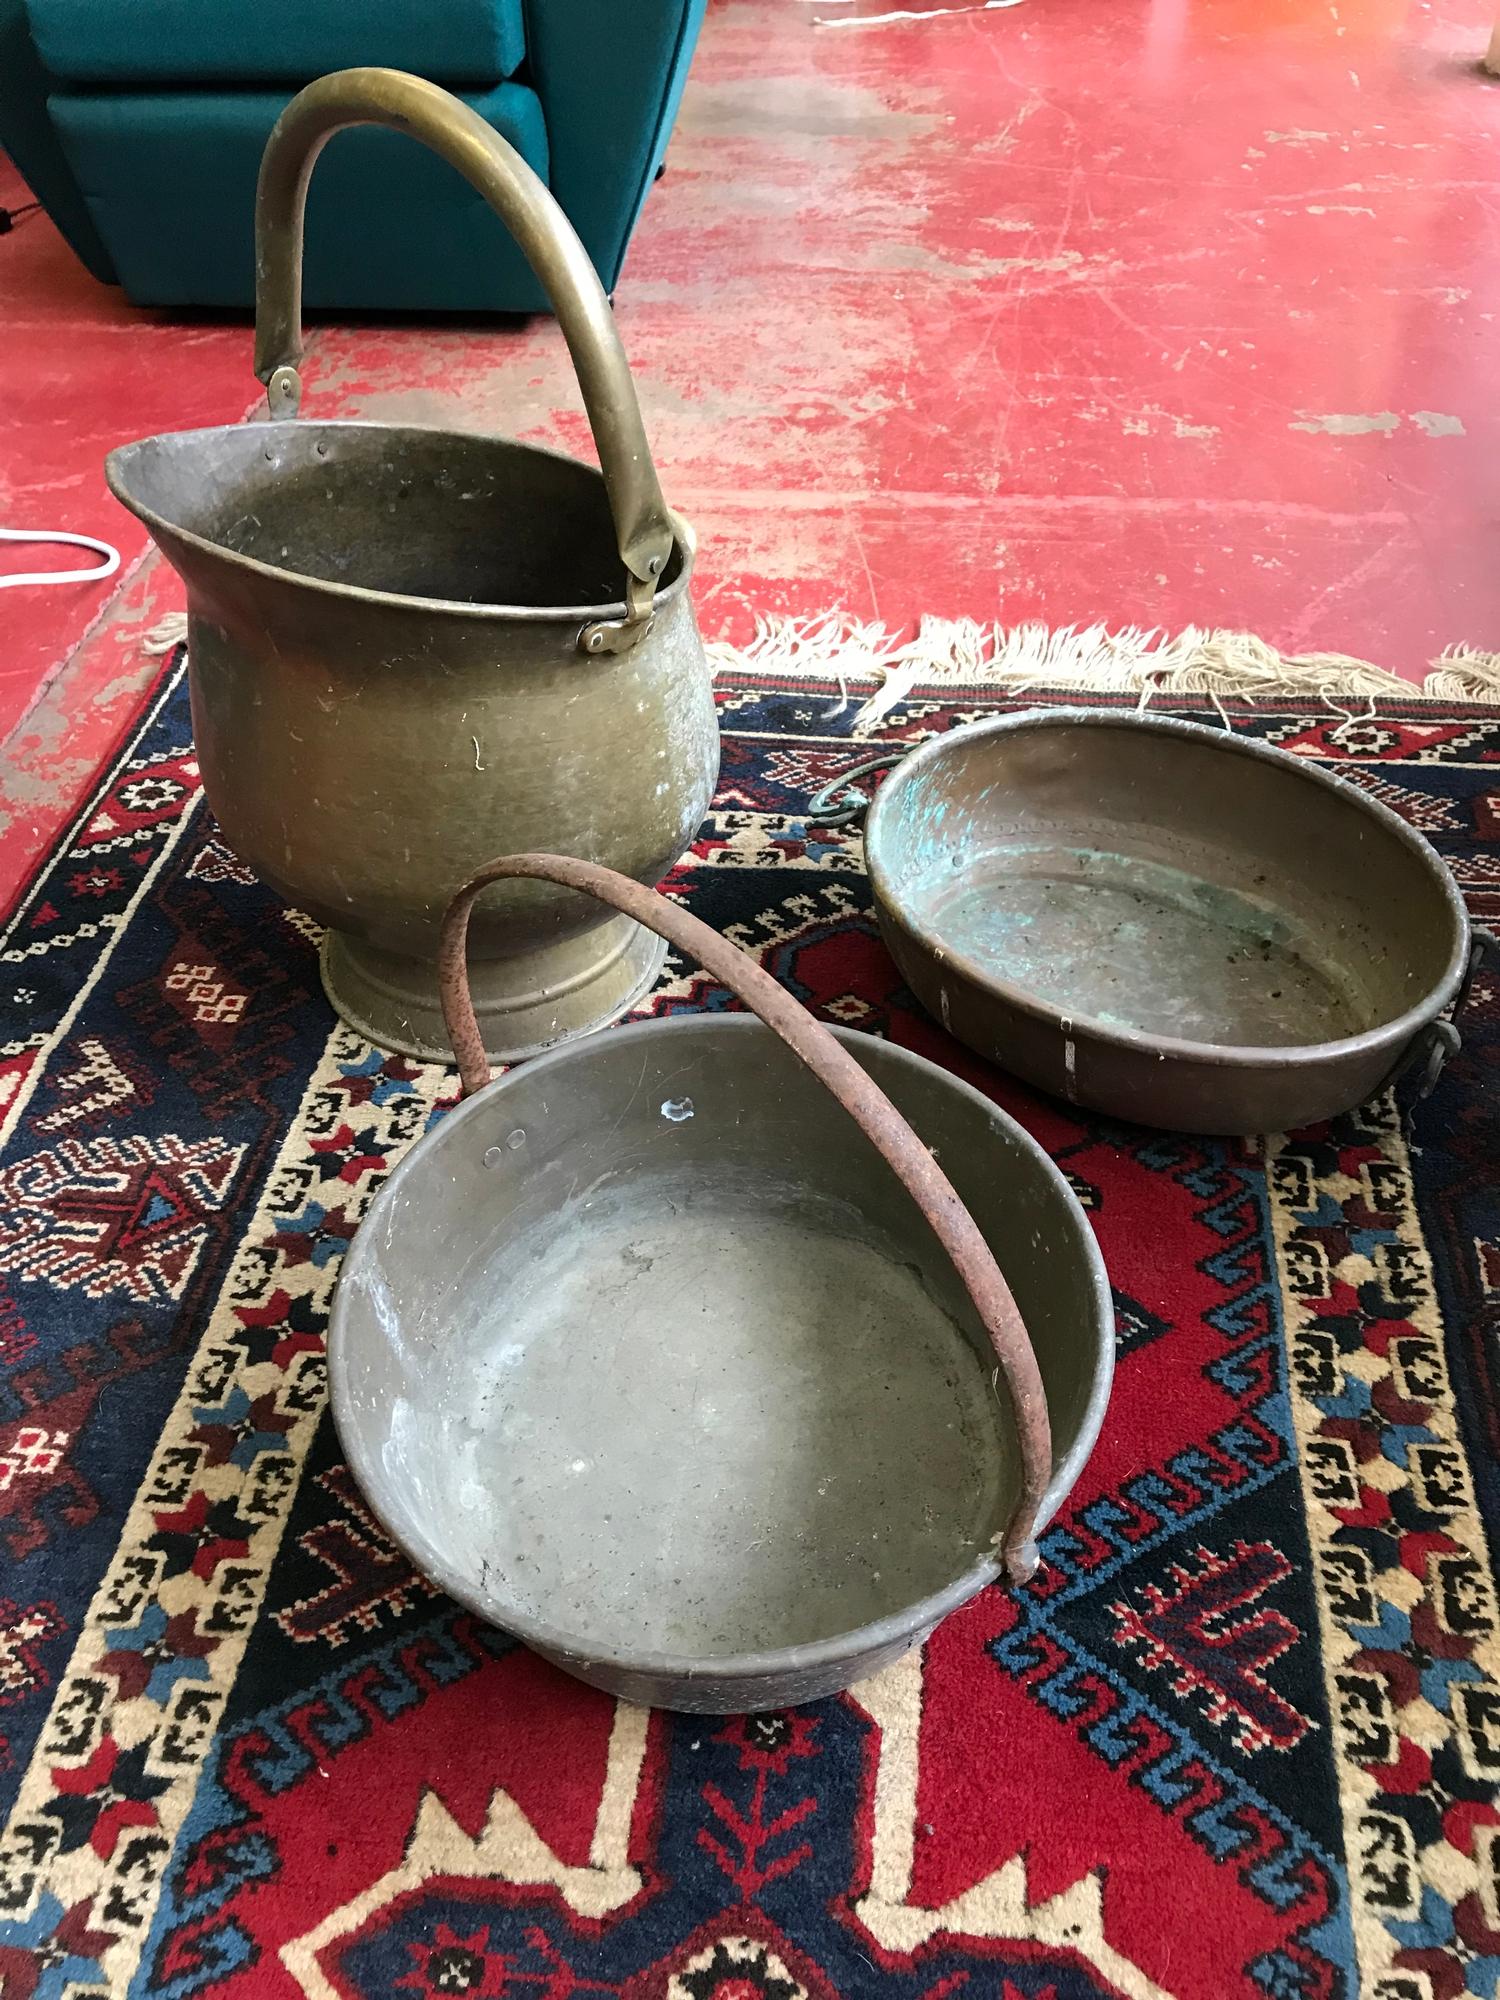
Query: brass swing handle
[[643, 524], [834, 1067]]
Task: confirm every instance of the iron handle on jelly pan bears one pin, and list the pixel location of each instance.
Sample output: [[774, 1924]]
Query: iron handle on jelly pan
[[851, 1086]]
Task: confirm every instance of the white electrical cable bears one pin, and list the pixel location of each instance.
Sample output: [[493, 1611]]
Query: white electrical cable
[[108, 567]]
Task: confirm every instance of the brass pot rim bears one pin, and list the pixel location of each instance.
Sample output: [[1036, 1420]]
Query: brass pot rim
[[684, 540], [1393, 1033]]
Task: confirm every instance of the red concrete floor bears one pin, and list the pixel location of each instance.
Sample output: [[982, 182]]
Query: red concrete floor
[[1149, 311]]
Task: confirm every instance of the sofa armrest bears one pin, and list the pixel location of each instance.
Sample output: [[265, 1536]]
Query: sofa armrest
[[27, 134], [610, 76]]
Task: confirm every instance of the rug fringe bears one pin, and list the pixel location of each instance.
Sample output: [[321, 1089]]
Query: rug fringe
[[1091, 659], [169, 630], [1464, 673]]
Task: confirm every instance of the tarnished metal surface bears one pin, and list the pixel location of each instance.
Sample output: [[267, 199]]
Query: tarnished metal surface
[[650, 1357], [1163, 921], [410, 647]]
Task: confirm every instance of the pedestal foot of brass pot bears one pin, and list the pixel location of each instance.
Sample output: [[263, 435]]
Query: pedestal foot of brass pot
[[525, 1004]]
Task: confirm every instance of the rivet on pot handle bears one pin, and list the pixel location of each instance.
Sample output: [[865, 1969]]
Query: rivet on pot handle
[[834, 1067], [643, 525], [833, 805]]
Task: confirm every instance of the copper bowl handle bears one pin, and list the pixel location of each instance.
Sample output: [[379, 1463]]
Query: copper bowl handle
[[837, 1070]]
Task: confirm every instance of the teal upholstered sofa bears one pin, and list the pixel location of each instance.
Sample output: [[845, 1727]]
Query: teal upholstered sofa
[[139, 125]]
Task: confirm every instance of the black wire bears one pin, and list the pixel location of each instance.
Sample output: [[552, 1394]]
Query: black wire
[[9, 217]]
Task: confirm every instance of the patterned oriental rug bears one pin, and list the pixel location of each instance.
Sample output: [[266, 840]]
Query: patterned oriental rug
[[1239, 1739]]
